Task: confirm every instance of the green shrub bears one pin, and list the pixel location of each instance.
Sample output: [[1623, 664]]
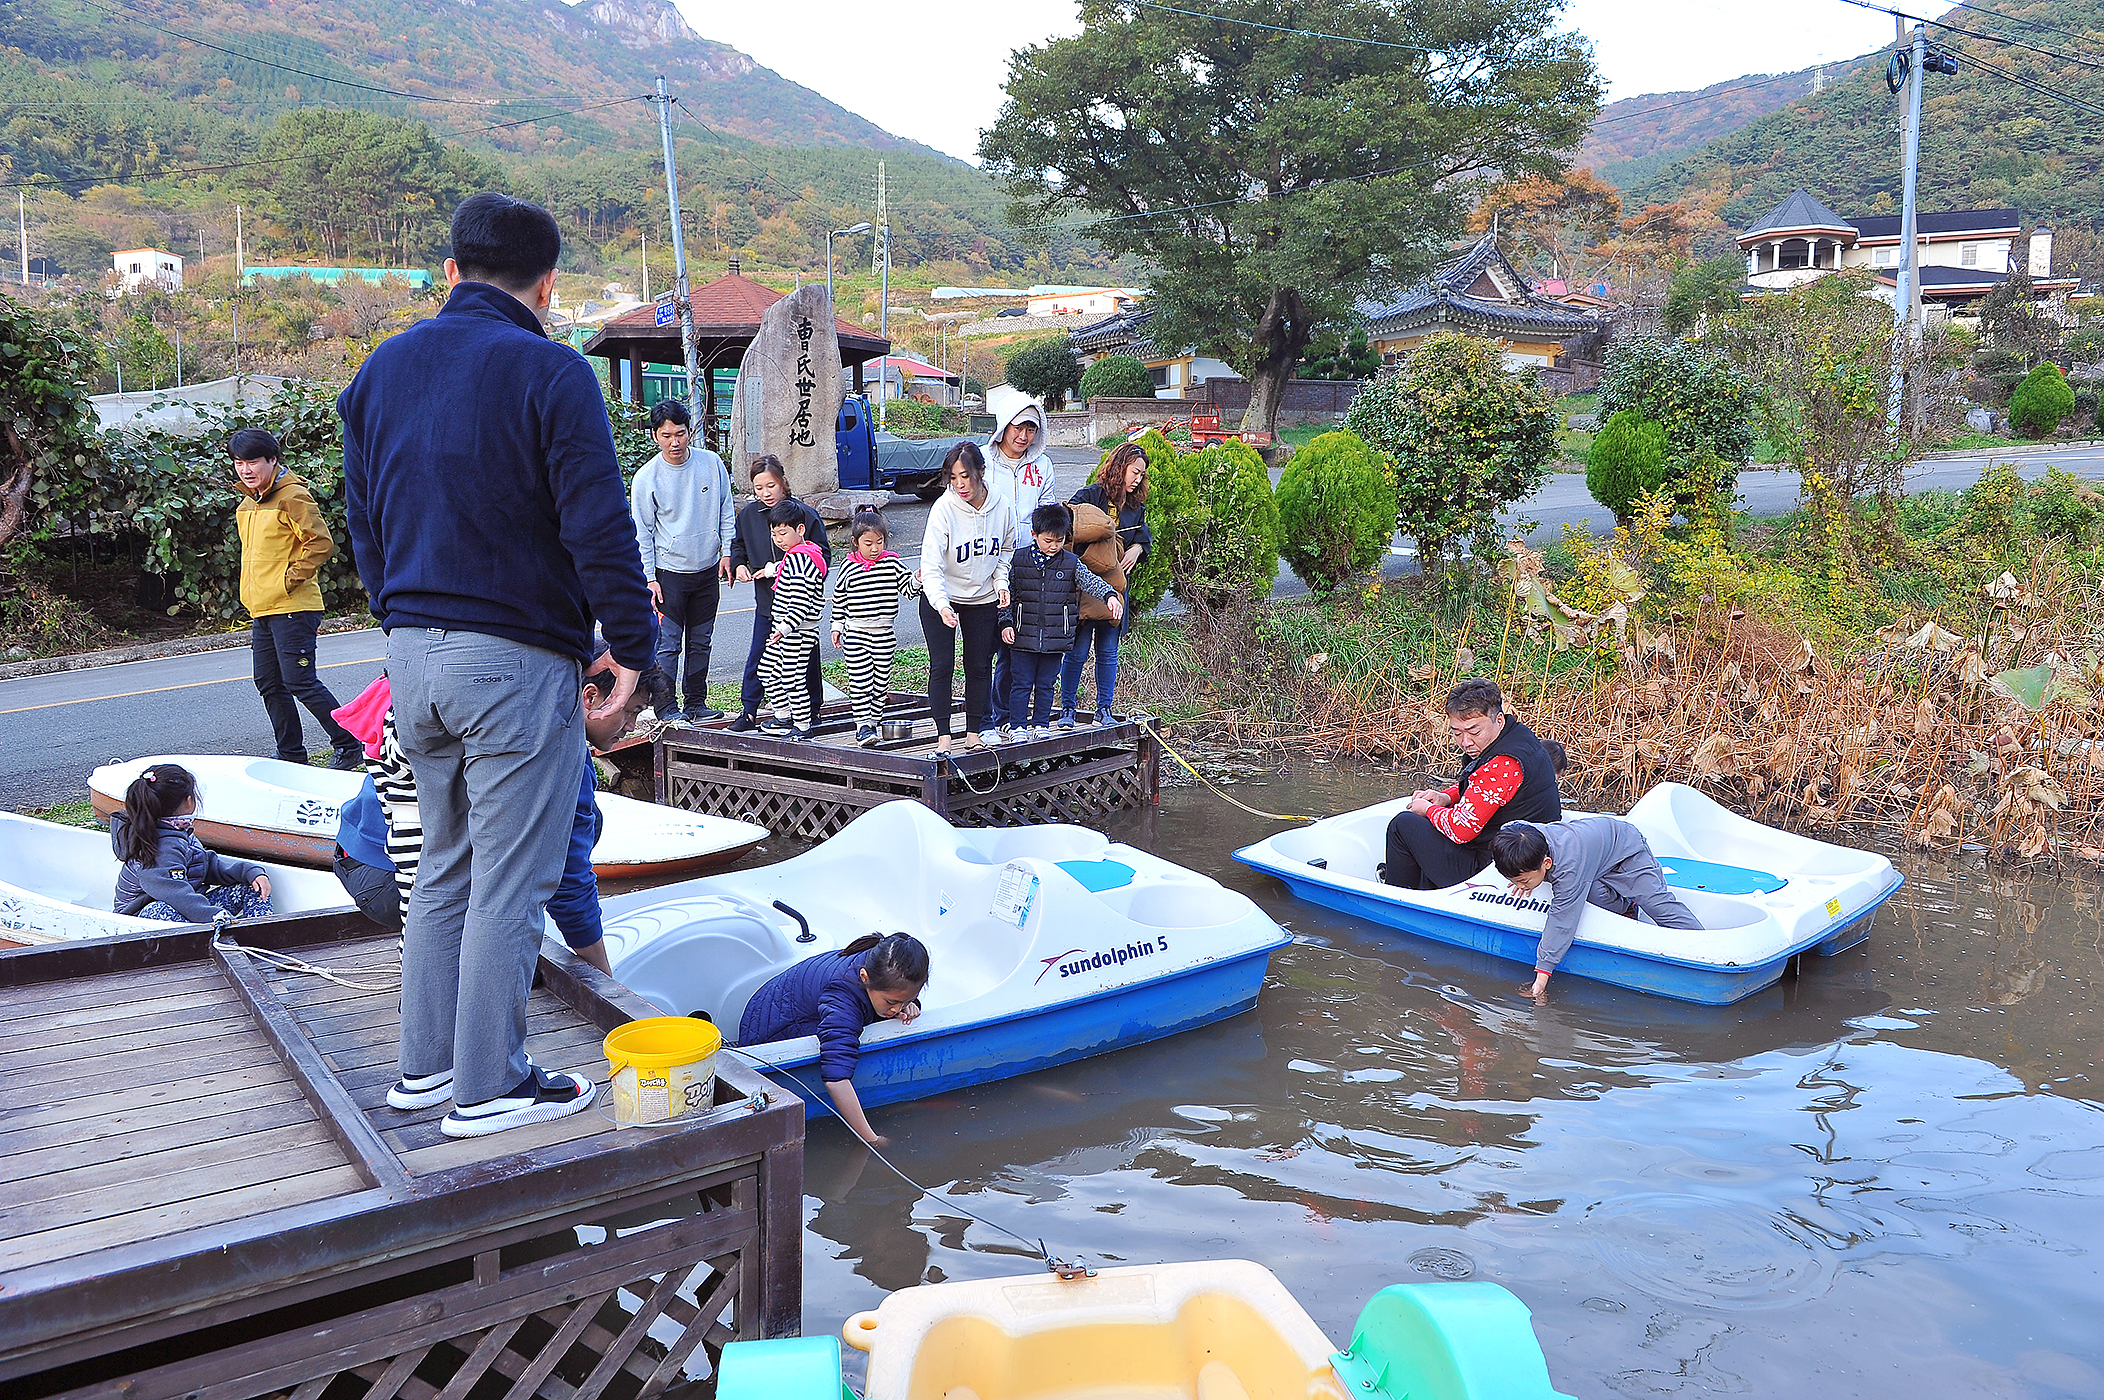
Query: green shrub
[[909, 416], [1336, 510], [2063, 507], [1046, 371], [1702, 401], [178, 491], [1465, 438], [1117, 377], [2041, 403], [1626, 463], [1166, 483], [1219, 525]]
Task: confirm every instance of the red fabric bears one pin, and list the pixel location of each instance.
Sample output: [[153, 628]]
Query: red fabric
[[1489, 788], [364, 716], [811, 552], [855, 556]]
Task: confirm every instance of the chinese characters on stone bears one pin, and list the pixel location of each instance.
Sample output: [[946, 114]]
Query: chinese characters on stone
[[800, 433]]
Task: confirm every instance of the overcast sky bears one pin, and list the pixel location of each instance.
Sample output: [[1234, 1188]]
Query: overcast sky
[[932, 71]]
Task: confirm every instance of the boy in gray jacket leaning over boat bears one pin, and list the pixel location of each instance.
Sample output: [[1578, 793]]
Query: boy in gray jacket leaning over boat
[[681, 503], [1594, 860]]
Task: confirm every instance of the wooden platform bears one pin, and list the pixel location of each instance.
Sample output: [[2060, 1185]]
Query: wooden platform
[[204, 1194], [810, 789]]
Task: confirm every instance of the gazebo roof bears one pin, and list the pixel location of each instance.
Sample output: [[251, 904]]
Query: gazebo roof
[[727, 313], [1800, 213]]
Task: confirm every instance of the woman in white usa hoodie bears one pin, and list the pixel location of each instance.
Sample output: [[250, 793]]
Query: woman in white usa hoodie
[[964, 583]]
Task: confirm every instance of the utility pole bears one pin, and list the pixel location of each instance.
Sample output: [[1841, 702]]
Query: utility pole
[[240, 264], [679, 262], [646, 265], [1906, 305], [22, 230], [883, 291]]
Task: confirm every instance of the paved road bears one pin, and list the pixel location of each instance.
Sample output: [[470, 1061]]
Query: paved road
[[54, 729]]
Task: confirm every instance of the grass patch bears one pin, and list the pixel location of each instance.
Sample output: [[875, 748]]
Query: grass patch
[[80, 814]]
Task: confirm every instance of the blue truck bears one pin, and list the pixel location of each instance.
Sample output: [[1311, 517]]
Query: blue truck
[[871, 460]]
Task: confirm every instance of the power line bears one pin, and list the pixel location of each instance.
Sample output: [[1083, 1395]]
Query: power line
[[2079, 60], [2021, 81], [139, 17], [2090, 38]]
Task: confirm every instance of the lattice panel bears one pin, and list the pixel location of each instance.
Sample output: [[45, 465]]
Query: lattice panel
[[1082, 801], [785, 814], [599, 1322]]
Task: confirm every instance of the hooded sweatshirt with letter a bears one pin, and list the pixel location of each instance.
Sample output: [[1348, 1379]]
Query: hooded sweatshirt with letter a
[[1027, 482], [965, 552]]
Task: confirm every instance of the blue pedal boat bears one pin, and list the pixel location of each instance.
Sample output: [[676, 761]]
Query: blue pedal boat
[[1047, 944], [1764, 897]]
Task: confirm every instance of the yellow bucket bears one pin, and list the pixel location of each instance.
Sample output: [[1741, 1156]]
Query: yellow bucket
[[662, 1069]]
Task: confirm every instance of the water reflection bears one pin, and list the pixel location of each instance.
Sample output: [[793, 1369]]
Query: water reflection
[[1883, 1176]]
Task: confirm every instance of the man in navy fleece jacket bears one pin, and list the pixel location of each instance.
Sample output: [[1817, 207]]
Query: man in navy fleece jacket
[[490, 528]]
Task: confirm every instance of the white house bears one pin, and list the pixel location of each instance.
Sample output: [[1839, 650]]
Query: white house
[[1175, 372], [140, 267], [1081, 301], [1963, 254]]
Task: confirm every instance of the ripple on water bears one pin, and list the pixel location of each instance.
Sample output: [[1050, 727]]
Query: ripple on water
[[1707, 1253], [1447, 1265]]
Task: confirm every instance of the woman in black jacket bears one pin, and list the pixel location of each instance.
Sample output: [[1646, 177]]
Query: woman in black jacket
[[1119, 491]]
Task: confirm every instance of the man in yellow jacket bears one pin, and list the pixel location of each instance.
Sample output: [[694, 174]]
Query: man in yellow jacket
[[284, 543]]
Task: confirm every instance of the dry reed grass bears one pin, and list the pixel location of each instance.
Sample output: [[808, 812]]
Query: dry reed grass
[[1911, 731]]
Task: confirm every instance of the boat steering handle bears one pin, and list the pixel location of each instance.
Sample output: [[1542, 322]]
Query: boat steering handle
[[801, 922]]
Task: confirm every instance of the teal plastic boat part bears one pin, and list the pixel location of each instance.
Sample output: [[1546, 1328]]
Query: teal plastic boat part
[[1684, 874], [787, 1368], [1444, 1341], [1096, 876]]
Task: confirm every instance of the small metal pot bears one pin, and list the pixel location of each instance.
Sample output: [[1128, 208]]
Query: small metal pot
[[892, 730]]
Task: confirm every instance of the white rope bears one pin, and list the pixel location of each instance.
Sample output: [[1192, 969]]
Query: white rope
[[285, 963]]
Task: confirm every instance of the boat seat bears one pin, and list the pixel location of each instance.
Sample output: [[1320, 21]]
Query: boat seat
[[1096, 876], [1685, 874]]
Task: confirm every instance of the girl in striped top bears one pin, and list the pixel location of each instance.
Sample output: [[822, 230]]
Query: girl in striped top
[[799, 595], [865, 610]]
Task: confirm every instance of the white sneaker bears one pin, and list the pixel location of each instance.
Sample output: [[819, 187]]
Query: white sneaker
[[1007, 734], [540, 1098], [991, 737], [423, 1091], [1041, 731]]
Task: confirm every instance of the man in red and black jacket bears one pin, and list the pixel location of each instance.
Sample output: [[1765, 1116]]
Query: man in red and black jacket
[[1444, 836]]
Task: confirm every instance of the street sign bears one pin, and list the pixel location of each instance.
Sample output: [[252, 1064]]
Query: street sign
[[667, 312]]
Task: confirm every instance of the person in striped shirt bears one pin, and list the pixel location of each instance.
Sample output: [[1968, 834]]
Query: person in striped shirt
[[799, 594], [865, 611]]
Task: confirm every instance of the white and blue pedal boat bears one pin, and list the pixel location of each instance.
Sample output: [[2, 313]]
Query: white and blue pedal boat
[[1763, 896], [1047, 944]]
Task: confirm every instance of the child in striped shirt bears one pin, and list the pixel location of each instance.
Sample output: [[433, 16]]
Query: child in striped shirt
[[799, 594], [865, 610]]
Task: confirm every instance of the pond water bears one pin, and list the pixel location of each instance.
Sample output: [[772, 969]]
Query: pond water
[[1884, 1177]]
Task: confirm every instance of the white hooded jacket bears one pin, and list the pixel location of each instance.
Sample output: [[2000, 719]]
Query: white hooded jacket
[[965, 552], [1027, 483]]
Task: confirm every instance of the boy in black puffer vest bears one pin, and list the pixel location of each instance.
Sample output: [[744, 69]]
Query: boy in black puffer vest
[[1045, 584]]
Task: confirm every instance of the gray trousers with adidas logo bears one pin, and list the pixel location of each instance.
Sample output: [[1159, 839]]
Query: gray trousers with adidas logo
[[494, 731]]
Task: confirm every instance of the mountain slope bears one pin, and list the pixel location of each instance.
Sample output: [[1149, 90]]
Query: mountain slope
[[1636, 137], [499, 59], [1987, 141]]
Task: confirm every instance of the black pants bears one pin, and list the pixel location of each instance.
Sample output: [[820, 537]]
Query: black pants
[[1420, 857], [689, 613], [282, 649], [1004, 687], [372, 889], [980, 623], [749, 690]]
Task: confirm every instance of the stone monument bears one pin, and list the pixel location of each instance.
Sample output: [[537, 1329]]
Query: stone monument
[[788, 397]]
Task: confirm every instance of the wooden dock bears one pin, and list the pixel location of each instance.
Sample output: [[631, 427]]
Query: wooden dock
[[203, 1195], [810, 789]]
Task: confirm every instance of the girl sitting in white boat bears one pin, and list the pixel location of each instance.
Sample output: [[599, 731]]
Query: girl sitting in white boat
[[168, 874], [1599, 860], [834, 996]]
